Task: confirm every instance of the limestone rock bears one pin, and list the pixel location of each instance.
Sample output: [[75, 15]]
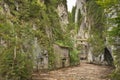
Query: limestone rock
[[63, 15]]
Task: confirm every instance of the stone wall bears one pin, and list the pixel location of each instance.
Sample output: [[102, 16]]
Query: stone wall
[[40, 56], [62, 56]]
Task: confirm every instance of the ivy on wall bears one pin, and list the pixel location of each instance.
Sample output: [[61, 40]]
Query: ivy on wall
[[96, 21], [17, 35]]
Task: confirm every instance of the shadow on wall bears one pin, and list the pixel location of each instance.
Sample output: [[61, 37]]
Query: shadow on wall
[[108, 56], [105, 58]]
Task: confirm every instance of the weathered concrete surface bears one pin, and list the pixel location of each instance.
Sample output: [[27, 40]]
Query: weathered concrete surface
[[62, 56]]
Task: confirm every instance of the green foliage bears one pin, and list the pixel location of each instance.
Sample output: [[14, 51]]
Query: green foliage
[[115, 75], [37, 9], [62, 43], [55, 3], [96, 20], [116, 30], [15, 64], [71, 17], [74, 57], [95, 12], [79, 18], [66, 40], [107, 3], [17, 33], [112, 6], [51, 59], [15, 69], [97, 42], [72, 29]]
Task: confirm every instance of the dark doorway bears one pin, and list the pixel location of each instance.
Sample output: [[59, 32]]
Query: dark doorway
[[107, 56]]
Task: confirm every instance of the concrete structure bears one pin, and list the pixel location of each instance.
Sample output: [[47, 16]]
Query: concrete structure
[[62, 56]]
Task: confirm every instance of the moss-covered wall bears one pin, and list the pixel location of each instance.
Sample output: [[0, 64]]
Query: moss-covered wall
[[22, 21]]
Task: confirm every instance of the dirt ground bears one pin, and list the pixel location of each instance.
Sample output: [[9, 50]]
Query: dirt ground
[[84, 71]]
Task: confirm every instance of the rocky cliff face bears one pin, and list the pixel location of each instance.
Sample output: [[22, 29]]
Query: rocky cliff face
[[61, 52], [33, 27], [114, 46], [83, 33], [63, 15], [90, 29]]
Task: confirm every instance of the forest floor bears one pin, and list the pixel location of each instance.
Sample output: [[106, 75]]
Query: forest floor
[[84, 71]]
